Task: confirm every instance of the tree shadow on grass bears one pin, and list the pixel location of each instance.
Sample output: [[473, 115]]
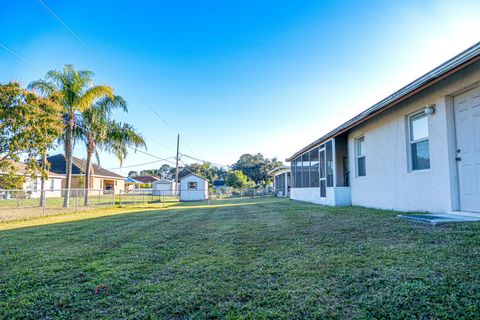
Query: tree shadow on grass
[[134, 210]]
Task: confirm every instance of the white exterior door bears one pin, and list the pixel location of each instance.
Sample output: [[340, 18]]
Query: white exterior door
[[467, 127]]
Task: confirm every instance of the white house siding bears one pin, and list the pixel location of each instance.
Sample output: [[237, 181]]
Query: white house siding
[[200, 194], [49, 193], [163, 188], [388, 183], [307, 194]]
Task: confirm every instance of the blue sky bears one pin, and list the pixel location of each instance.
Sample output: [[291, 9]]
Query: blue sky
[[236, 77]]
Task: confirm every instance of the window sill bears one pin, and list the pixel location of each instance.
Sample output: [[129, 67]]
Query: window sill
[[420, 171]]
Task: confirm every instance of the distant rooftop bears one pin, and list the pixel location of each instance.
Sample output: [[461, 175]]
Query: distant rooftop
[[59, 165]]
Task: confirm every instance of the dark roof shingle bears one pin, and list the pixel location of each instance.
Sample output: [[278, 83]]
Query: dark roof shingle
[[59, 165]]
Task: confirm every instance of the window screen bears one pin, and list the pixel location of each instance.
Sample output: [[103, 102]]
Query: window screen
[[419, 141]]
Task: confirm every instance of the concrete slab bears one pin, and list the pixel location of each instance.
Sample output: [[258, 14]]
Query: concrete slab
[[439, 218]]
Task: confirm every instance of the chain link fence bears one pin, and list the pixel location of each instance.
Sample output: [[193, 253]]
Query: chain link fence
[[26, 204]]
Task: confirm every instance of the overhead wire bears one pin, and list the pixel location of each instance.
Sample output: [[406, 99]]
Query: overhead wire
[[76, 124], [49, 10]]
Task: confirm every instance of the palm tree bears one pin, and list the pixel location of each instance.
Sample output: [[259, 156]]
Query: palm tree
[[98, 131], [76, 93]]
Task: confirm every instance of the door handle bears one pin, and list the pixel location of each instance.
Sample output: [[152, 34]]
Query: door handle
[[458, 159]]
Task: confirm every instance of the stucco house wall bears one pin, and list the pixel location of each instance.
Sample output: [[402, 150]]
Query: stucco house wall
[[307, 194], [35, 184], [96, 184], [389, 183]]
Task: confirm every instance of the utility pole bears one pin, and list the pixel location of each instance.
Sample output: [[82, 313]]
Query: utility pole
[[176, 167]]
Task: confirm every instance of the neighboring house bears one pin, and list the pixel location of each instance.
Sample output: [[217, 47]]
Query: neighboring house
[[130, 184], [147, 179], [219, 185], [193, 188], [32, 186], [416, 150], [163, 187], [101, 179], [281, 181]]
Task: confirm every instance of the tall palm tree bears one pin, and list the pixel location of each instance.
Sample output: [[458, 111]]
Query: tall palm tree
[[75, 91], [100, 132]]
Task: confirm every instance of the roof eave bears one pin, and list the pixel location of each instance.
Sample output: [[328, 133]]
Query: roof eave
[[362, 118]]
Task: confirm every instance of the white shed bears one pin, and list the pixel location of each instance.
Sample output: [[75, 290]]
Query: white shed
[[163, 187], [193, 188]]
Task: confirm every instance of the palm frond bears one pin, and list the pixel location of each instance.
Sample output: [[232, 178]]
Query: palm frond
[[91, 95], [44, 87]]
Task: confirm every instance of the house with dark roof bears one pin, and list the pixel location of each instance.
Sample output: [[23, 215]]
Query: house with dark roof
[[147, 179], [416, 150], [101, 179]]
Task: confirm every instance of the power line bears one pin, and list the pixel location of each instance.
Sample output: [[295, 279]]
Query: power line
[[134, 92], [65, 25], [143, 164], [138, 96], [204, 161], [87, 130], [19, 57], [76, 124], [27, 62], [185, 167]]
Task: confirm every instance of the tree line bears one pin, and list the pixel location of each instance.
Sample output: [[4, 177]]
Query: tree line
[[65, 108], [248, 171]]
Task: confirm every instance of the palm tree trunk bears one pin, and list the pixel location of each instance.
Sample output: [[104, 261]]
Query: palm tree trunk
[[90, 149], [69, 161]]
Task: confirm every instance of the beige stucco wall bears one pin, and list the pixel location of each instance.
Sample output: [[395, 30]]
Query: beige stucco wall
[[97, 184], [389, 184]]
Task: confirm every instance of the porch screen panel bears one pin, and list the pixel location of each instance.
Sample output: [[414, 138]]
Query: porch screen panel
[[314, 168], [280, 182], [298, 179], [323, 189], [292, 170], [306, 170], [329, 163]]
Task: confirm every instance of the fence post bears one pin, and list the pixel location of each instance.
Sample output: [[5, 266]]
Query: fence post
[[44, 204], [254, 193], [120, 199], [76, 200], [113, 203]]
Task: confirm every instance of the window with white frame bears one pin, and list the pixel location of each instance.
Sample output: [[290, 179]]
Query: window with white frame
[[360, 155], [192, 186], [419, 146]]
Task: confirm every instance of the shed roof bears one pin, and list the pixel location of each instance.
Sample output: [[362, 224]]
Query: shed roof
[[193, 174], [449, 67], [164, 181]]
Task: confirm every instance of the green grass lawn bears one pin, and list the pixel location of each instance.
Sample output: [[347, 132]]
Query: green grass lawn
[[250, 258]]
